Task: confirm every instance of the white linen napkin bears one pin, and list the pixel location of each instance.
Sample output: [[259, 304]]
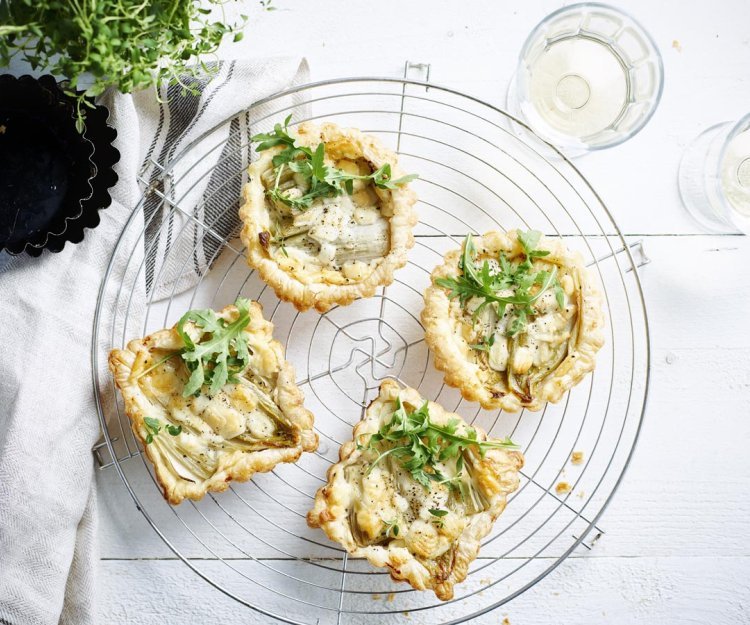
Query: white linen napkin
[[48, 419]]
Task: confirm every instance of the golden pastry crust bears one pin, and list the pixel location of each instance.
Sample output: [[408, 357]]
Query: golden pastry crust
[[296, 278], [229, 436], [450, 331], [428, 552]]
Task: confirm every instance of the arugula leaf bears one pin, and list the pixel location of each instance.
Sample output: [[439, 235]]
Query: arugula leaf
[[324, 181], [279, 136], [529, 240], [418, 445], [317, 163], [156, 363], [484, 284], [381, 177], [559, 296], [221, 354]]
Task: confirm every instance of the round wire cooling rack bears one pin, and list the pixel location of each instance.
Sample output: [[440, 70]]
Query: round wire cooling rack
[[480, 169]]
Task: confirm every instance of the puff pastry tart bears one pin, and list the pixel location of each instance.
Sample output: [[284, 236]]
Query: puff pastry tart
[[416, 490], [514, 320], [326, 217], [212, 399]]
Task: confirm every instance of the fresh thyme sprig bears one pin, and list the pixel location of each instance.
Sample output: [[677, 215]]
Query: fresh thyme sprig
[[153, 427], [278, 239], [485, 343], [438, 514], [217, 359], [391, 528], [323, 180], [484, 283], [127, 44], [418, 445]]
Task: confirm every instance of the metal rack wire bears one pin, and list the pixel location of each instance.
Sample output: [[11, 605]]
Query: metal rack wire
[[479, 169]]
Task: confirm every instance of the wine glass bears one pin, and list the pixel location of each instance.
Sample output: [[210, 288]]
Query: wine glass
[[588, 77], [714, 177]]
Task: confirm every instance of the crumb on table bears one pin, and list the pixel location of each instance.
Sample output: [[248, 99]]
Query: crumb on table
[[562, 488], [576, 457]]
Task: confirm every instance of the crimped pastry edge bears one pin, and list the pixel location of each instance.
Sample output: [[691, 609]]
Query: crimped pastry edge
[[322, 296], [327, 514], [245, 464], [440, 327]]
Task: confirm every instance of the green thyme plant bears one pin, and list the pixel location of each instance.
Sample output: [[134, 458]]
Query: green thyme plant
[[127, 44]]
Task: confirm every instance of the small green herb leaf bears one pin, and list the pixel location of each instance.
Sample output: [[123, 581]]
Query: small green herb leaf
[[485, 343], [152, 428], [438, 512], [174, 430], [391, 528], [152, 424]]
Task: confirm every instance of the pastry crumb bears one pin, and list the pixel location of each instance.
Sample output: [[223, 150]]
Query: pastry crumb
[[677, 45], [376, 597], [506, 621], [581, 494], [562, 488], [576, 457], [391, 597]]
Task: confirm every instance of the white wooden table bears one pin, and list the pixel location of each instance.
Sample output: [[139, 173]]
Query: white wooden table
[[676, 548]]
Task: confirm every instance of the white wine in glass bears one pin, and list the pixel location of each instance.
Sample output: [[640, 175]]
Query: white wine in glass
[[714, 177], [588, 77]]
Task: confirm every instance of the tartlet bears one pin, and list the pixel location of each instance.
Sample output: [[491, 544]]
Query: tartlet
[[524, 355], [425, 525], [338, 248], [199, 443]]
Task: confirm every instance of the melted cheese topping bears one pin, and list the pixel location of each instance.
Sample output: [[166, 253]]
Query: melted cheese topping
[[341, 239], [240, 417], [200, 443], [553, 353], [383, 514], [386, 496], [536, 348]]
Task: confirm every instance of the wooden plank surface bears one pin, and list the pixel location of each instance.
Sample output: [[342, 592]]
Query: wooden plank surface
[[676, 544]]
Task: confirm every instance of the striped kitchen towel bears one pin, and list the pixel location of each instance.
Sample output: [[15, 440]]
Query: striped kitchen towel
[[48, 416]]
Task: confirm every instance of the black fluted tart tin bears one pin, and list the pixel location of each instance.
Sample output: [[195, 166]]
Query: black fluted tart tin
[[53, 179]]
